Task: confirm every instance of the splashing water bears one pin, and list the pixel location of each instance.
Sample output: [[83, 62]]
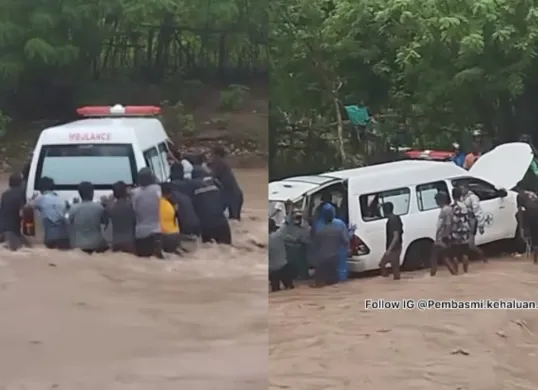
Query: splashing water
[[115, 321]]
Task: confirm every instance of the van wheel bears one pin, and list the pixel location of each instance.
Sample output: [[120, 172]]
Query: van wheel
[[418, 255]]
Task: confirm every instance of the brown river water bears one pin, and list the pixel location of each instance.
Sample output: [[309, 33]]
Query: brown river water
[[74, 321], [325, 339]]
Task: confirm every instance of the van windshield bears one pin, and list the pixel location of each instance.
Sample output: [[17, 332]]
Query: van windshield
[[100, 164]]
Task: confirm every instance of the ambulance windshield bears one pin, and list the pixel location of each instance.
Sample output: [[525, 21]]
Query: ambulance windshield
[[100, 164]]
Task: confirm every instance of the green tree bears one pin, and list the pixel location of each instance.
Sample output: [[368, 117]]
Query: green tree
[[435, 69], [60, 45]]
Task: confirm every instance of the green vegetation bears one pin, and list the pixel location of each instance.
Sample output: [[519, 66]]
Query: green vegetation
[[430, 71], [57, 54], [233, 97]]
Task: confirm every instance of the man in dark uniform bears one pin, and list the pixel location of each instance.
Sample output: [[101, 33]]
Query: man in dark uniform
[[527, 217], [11, 204], [207, 202], [394, 233], [231, 192]]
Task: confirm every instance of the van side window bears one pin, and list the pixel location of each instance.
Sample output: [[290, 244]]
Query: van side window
[[372, 204], [426, 195], [154, 162], [482, 189], [163, 154]]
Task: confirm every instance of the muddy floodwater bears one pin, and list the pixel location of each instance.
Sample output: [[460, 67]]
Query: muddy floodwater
[[74, 321], [325, 339]]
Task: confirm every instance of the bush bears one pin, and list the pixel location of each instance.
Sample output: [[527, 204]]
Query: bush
[[4, 122], [175, 119], [233, 97]]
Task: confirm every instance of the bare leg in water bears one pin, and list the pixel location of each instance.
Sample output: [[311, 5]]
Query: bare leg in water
[[461, 254], [473, 248], [443, 254]]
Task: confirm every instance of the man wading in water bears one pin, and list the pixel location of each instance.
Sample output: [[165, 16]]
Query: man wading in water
[[328, 240], [460, 231], [527, 217], [394, 232], [476, 220], [442, 246], [146, 202]]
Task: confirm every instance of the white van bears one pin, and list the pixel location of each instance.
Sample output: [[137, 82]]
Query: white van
[[411, 186], [109, 145]]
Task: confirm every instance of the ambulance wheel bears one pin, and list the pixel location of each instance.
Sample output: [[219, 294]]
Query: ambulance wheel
[[418, 255]]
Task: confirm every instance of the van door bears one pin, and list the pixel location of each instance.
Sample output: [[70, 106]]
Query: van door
[[366, 211], [154, 162], [336, 191], [505, 165], [163, 154]]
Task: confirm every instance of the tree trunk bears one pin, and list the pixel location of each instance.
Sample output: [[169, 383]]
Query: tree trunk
[[340, 127]]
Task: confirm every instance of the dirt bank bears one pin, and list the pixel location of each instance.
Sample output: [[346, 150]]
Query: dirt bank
[[73, 321], [326, 340]]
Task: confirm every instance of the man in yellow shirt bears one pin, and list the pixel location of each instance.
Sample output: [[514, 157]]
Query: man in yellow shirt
[[169, 220]]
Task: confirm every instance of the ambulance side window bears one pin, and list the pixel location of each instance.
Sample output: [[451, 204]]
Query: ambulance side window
[[372, 204], [426, 194], [482, 189], [163, 154], [336, 194], [153, 160]]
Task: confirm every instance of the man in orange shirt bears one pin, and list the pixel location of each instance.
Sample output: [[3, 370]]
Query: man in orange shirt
[[476, 148], [470, 159]]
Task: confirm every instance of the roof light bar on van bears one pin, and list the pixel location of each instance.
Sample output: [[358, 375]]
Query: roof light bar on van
[[118, 110]]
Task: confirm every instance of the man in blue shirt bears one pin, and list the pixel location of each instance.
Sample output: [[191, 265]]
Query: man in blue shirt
[[459, 155], [344, 249], [330, 237], [53, 211]]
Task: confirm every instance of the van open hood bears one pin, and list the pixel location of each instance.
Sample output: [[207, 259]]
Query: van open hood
[[504, 166]]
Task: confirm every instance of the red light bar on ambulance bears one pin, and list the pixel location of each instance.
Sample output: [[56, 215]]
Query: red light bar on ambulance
[[118, 110]]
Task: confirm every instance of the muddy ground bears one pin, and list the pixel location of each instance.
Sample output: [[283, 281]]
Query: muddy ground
[[325, 339]]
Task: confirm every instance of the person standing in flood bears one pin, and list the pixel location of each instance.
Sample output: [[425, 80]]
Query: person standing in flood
[[476, 220], [394, 234], [319, 223], [146, 202], [53, 211], [198, 161], [460, 231], [169, 220], [297, 239], [207, 202], [12, 203], [442, 245], [86, 219], [280, 270], [527, 218], [122, 217], [328, 240], [231, 192], [176, 160]]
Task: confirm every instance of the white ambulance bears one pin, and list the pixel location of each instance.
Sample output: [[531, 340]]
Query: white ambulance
[[110, 144], [411, 186]]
